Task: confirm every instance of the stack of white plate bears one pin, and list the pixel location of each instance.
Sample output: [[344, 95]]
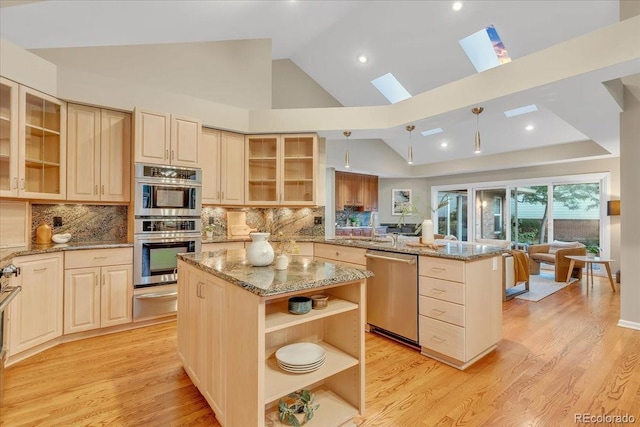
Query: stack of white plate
[[300, 358]]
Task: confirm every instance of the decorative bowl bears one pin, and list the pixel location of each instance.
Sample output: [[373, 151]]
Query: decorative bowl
[[319, 302], [61, 238], [299, 305]]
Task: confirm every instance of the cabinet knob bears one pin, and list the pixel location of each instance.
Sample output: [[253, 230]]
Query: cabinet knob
[[95, 191], [15, 182], [172, 155], [102, 188], [22, 183], [166, 154]]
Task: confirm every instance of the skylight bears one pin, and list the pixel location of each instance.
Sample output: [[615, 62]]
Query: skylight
[[485, 49], [521, 110], [431, 132], [391, 88]]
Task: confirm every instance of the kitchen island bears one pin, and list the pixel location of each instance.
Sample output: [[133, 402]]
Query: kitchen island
[[232, 318]]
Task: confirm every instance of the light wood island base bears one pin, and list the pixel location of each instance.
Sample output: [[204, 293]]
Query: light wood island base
[[228, 336]]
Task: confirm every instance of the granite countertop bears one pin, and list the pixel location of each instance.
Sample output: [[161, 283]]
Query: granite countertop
[[6, 254], [303, 272], [272, 238], [446, 248]]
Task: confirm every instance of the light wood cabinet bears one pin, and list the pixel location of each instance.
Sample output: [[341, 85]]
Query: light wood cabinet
[[201, 310], [460, 309], [35, 316], [281, 169], [356, 190], [222, 167], [244, 373], [99, 154], [347, 255], [98, 289], [32, 143], [166, 139]]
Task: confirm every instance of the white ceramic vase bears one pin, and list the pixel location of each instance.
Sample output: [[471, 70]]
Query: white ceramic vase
[[282, 262], [259, 252], [427, 231]]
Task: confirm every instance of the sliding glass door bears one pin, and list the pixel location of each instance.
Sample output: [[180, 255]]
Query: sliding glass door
[[529, 215], [490, 213], [452, 217]]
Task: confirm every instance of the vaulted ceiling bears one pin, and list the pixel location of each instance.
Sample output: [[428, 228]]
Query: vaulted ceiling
[[417, 41]]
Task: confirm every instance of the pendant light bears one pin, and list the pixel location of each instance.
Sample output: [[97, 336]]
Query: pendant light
[[346, 154], [410, 128], [477, 112]]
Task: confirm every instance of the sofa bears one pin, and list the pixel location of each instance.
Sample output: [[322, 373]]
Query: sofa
[[555, 253]]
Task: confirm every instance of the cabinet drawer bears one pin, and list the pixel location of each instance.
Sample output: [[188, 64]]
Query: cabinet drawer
[[346, 264], [98, 257], [442, 337], [442, 310], [442, 268], [341, 253], [441, 289]]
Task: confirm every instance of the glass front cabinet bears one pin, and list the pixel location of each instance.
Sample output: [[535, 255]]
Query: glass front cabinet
[[281, 169], [32, 143]]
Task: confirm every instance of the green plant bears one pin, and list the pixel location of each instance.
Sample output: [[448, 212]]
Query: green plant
[[285, 246], [411, 209], [209, 228], [303, 404], [593, 249]]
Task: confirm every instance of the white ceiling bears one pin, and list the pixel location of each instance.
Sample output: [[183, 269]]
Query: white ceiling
[[415, 40]]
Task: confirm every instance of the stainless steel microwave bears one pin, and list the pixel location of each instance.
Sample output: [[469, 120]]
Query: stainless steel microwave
[[167, 191]]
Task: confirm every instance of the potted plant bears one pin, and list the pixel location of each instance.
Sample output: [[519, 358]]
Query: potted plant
[[298, 411], [209, 231], [593, 251]]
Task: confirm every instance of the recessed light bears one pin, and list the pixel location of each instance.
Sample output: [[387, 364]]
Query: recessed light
[[457, 5], [529, 127], [362, 59], [443, 144]]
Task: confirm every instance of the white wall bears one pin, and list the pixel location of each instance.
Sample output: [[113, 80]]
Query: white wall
[[293, 88], [419, 194], [28, 69]]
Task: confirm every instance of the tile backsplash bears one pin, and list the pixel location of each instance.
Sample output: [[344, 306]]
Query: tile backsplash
[[86, 223], [292, 222]]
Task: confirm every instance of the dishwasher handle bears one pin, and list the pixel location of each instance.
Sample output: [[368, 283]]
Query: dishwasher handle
[[388, 258]]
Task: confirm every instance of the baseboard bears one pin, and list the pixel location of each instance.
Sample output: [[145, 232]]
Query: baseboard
[[630, 325]]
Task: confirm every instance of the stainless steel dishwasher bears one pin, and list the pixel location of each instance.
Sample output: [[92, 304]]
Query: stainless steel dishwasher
[[392, 295]]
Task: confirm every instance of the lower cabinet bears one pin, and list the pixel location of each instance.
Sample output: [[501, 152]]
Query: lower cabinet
[[460, 306], [346, 255], [35, 316], [201, 310], [98, 289]]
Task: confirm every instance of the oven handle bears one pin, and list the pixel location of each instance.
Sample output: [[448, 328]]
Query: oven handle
[[168, 183], [156, 295], [13, 292], [169, 237]]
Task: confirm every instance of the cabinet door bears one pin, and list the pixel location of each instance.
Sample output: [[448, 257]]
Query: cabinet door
[[116, 295], [36, 313], [340, 189], [232, 169], [298, 164], [83, 155], [185, 141], [81, 299], [370, 193], [210, 160], [42, 147], [152, 137], [8, 138], [194, 343], [115, 156], [262, 170], [213, 313]]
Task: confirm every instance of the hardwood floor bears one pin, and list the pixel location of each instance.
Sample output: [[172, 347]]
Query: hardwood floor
[[558, 357]]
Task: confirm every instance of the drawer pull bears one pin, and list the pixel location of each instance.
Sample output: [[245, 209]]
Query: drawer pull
[[438, 269], [438, 339], [438, 290], [337, 253], [99, 257], [41, 269], [438, 312]]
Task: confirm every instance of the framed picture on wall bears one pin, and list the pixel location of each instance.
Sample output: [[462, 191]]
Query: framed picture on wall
[[400, 199]]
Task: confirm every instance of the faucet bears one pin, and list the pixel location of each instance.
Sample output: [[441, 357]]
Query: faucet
[[394, 239]]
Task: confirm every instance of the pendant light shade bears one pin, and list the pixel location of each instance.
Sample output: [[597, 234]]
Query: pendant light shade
[[410, 128], [477, 112], [346, 153]]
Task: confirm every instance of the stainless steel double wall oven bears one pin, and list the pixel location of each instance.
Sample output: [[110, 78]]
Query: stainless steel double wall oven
[[167, 207]]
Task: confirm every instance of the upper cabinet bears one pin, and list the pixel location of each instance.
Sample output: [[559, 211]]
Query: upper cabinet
[[222, 167], [281, 169], [99, 154], [166, 139], [356, 190], [32, 143]]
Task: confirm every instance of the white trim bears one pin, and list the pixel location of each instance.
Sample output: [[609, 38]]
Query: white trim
[[628, 324]]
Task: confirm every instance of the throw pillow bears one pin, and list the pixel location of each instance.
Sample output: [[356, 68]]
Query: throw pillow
[[562, 245]]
